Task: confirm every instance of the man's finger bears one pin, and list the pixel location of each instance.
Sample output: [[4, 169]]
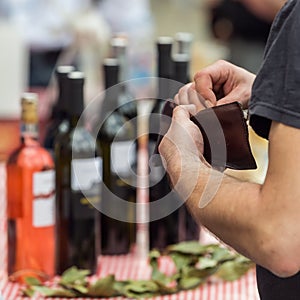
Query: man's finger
[[183, 112]]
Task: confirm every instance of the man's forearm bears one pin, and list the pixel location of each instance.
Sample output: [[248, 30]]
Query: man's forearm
[[231, 209], [234, 213]]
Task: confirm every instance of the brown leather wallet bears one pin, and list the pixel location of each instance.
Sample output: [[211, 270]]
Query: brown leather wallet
[[225, 135]]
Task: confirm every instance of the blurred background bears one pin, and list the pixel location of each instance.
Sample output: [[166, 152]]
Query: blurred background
[[38, 35]]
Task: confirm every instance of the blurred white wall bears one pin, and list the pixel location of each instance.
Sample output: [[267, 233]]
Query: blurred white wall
[[13, 70]]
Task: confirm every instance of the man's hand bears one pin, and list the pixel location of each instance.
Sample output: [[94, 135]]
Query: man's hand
[[182, 146], [223, 82]]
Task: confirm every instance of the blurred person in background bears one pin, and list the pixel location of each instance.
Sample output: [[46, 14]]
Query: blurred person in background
[[59, 30], [133, 19], [49, 28], [243, 26]]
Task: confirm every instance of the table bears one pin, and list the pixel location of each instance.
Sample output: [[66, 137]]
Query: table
[[129, 266]]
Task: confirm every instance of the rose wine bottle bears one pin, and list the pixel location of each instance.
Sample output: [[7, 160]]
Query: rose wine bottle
[[78, 186], [30, 201]]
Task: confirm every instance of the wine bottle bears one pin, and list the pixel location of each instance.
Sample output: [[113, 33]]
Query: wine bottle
[[164, 72], [59, 113], [127, 105], [116, 138], [189, 229], [164, 227], [30, 201], [181, 67], [184, 42], [78, 181]]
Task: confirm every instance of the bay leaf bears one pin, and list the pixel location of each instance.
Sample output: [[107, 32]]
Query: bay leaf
[[232, 270], [103, 287], [207, 262], [187, 283], [183, 260], [221, 254], [32, 281], [189, 247], [73, 275], [54, 292], [141, 287]]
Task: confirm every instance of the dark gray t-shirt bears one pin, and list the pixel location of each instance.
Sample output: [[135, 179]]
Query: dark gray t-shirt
[[276, 96], [276, 90]]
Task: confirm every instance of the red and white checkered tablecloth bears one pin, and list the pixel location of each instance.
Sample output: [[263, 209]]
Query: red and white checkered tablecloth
[[129, 267], [125, 267]]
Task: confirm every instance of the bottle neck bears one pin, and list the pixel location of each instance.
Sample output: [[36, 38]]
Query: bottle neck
[[62, 99], [76, 120], [75, 102], [112, 86], [164, 61], [181, 71], [29, 131]]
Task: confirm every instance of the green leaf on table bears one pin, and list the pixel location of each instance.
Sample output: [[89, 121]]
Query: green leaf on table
[[167, 284], [141, 289], [157, 275], [153, 259], [201, 274], [28, 292], [186, 283], [183, 260], [119, 287], [165, 289], [82, 289], [232, 270], [74, 275], [221, 254], [54, 292], [103, 287], [31, 281], [190, 247], [154, 255], [206, 263]]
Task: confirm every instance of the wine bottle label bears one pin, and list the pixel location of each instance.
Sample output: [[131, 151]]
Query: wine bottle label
[[122, 157], [43, 212], [43, 183], [86, 173]]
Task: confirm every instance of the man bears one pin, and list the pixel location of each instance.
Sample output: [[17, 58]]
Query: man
[[259, 221]]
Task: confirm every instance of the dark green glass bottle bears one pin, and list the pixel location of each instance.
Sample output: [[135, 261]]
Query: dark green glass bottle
[[78, 186], [128, 107], [189, 228], [116, 138], [59, 111], [164, 226]]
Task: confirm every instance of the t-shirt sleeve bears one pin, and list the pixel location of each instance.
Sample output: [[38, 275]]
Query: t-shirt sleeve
[[276, 90]]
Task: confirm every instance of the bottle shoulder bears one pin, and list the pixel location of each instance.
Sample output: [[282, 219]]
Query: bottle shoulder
[[116, 127], [31, 155], [75, 140]]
